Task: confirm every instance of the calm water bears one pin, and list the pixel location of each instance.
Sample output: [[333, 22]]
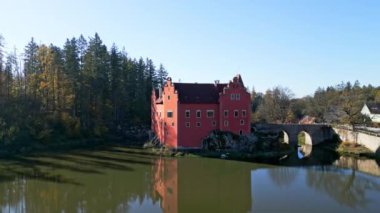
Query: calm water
[[116, 180]]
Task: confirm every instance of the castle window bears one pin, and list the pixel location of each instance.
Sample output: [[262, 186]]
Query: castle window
[[170, 114], [226, 123], [226, 113], [213, 123], [210, 113], [198, 124], [238, 97], [198, 113], [232, 97], [242, 122], [188, 124], [187, 113], [243, 113], [236, 113], [168, 97]]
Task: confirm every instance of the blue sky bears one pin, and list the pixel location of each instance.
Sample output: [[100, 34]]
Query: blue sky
[[299, 44]]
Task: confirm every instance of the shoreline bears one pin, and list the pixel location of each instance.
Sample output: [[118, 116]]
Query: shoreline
[[34, 148]]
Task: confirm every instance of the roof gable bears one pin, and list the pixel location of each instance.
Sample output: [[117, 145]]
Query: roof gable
[[374, 108]]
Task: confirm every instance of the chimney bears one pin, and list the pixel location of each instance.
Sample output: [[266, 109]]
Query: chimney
[[159, 92]]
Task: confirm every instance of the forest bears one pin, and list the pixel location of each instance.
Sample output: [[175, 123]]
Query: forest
[[82, 90], [86, 90], [340, 104]]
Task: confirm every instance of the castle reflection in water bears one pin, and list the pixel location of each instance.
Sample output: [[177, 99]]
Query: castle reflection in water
[[183, 186]]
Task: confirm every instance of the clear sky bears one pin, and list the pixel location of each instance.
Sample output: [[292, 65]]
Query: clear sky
[[299, 44]]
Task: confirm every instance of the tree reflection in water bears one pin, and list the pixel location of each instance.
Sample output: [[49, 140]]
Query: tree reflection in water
[[283, 176], [344, 186]]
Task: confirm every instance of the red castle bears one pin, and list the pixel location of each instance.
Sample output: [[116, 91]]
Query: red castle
[[183, 114]]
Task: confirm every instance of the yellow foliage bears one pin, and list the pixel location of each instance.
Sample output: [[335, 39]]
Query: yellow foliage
[[43, 85]]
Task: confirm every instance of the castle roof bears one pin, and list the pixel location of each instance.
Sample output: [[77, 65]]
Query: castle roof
[[194, 93]]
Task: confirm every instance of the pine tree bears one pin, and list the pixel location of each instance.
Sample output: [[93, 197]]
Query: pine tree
[[1, 55], [81, 89], [162, 75], [2, 87], [116, 83], [11, 67], [96, 77], [31, 69], [72, 71]]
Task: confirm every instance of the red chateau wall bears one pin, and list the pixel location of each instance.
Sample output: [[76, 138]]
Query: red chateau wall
[[174, 132]]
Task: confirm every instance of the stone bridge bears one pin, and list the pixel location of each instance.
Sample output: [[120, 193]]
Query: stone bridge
[[314, 133]]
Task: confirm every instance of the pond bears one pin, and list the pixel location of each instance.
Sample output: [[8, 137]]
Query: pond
[[119, 179]]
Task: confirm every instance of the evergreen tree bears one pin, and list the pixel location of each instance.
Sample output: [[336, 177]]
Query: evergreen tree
[[72, 71], [31, 68], [162, 75], [116, 84], [96, 77], [1, 55], [11, 67], [81, 89]]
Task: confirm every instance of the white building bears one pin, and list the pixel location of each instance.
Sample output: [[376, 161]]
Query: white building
[[372, 110]]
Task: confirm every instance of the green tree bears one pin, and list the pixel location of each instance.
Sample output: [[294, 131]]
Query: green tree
[[72, 72], [351, 102], [31, 68], [117, 84], [11, 67], [276, 105], [96, 85], [162, 75], [1, 59]]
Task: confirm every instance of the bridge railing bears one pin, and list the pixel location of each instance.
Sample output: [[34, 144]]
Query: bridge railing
[[361, 129]]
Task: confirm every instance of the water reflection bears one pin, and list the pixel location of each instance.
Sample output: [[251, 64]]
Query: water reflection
[[79, 182], [337, 190], [309, 156], [130, 184], [368, 166], [115, 181], [202, 185], [305, 151], [286, 177], [345, 187]]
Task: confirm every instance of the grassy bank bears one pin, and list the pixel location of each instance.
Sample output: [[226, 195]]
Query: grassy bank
[[354, 150], [350, 150]]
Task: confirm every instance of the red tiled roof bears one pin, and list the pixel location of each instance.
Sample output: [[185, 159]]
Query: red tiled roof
[[194, 93]]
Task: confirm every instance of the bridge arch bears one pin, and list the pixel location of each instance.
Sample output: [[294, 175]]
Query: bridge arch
[[314, 133], [304, 138], [284, 137]]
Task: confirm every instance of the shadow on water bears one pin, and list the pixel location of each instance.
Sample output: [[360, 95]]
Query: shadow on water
[[44, 166]]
